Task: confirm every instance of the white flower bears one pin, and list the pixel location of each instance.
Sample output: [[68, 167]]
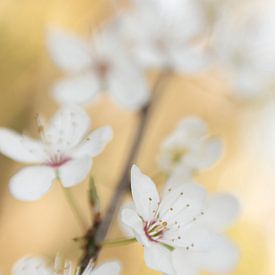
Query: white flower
[[167, 39], [182, 230], [189, 147], [65, 151], [244, 45], [96, 66], [41, 266]]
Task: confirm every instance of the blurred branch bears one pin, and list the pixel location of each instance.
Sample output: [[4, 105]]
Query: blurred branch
[[96, 235]]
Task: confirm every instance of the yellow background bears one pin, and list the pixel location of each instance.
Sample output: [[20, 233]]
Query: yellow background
[[47, 226]]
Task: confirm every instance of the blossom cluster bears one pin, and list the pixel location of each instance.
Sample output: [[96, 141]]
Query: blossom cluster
[[183, 227]]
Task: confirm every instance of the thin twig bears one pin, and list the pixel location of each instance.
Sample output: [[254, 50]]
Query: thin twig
[[77, 214], [98, 232]]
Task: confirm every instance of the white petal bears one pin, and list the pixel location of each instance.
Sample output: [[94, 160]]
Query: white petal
[[182, 205], [130, 219], [107, 269], [182, 263], [190, 60], [67, 127], [222, 210], [20, 148], [80, 89], [205, 154], [75, 171], [128, 88], [189, 129], [158, 258], [180, 175], [199, 239], [95, 143], [193, 126], [68, 51], [31, 183], [145, 194], [31, 266], [222, 257]]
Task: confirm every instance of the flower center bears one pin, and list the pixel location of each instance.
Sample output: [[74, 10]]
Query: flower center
[[177, 155], [57, 160], [154, 230], [102, 68]]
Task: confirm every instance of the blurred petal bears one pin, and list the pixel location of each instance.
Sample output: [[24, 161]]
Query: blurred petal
[[221, 212], [80, 89], [20, 148], [107, 269], [67, 127], [128, 89], [222, 257], [205, 154], [31, 266], [201, 239], [193, 126], [182, 263], [191, 59], [68, 51], [95, 143], [145, 194], [75, 171], [158, 258], [31, 183], [181, 175]]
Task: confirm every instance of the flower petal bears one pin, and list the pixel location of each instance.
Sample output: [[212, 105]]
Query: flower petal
[[31, 183], [182, 263], [145, 194], [191, 59], [95, 143], [180, 175], [222, 257], [189, 129], [128, 88], [158, 258], [75, 171], [200, 239], [205, 154], [31, 266], [81, 89], [130, 219], [107, 268], [67, 127], [222, 210], [68, 51], [181, 206], [20, 148]]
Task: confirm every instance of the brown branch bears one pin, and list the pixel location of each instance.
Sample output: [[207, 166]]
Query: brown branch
[[97, 233]]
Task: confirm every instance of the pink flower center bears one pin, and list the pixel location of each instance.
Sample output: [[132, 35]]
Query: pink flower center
[[154, 230], [57, 161], [102, 68]]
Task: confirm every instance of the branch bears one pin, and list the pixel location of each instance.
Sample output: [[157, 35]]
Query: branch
[[97, 234]]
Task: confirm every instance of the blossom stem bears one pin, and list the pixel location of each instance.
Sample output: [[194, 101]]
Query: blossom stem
[[99, 234], [119, 242], [73, 206]]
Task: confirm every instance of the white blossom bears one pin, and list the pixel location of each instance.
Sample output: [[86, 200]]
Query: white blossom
[[189, 147], [96, 66], [65, 151], [172, 39], [244, 45], [41, 266], [181, 231]]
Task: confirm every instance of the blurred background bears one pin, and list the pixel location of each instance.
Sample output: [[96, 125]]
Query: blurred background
[[47, 226]]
